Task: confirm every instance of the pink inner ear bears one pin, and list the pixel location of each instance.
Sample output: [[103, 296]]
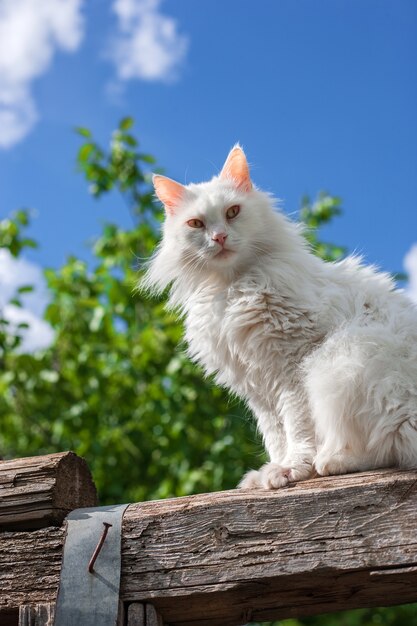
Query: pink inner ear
[[168, 191], [236, 169]]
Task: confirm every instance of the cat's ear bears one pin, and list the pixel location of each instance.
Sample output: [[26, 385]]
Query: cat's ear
[[169, 192], [236, 168]]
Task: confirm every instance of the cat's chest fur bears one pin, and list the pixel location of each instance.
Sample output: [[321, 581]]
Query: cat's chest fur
[[248, 331]]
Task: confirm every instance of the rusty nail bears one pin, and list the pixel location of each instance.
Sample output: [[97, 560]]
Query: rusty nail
[[99, 546]]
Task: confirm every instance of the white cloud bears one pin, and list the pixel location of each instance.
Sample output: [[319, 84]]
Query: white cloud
[[30, 31], [410, 265], [15, 273], [38, 336], [148, 45]]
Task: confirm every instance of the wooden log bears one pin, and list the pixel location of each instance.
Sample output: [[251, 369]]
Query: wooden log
[[40, 491], [231, 557]]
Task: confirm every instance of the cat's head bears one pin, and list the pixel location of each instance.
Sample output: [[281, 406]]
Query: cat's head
[[217, 228]]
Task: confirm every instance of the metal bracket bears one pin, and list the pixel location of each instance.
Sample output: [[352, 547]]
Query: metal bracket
[[90, 575]]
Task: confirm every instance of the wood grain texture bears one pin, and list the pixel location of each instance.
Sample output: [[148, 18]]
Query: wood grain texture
[[40, 491], [30, 564], [231, 557]]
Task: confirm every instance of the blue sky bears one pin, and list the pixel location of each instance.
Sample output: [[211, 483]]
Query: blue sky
[[321, 93]]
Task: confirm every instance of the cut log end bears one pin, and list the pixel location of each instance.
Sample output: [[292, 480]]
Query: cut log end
[[36, 492]]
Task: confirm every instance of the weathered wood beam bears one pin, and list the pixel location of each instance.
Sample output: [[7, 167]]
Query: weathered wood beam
[[231, 557], [30, 564], [40, 491], [228, 558]]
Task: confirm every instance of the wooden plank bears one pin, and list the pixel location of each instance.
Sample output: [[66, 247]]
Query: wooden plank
[[136, 614], [40, 491], [231, 557], [37, 615]]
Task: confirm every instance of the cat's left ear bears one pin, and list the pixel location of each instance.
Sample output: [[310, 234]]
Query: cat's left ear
[[236, 169], [169, 192]]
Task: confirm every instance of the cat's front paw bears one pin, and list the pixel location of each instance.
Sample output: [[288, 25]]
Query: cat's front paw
[[275, 476], [270, 476]]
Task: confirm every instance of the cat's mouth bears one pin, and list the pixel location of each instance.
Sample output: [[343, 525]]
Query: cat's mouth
[[224, 253]]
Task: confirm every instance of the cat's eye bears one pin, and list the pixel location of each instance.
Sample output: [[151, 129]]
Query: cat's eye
[[232, 211], [194, 223]]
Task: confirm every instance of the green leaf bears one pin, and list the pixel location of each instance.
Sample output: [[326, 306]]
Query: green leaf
[[147, 158], [29, 243], [129, 140], [22, 217], [16, 302], [84, 132], [85, 151], [126, 123]]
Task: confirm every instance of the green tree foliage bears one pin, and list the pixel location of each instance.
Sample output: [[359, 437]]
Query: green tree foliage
[[115, 385], [314, 216]]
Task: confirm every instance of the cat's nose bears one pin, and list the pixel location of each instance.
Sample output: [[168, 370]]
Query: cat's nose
[[220, 238]]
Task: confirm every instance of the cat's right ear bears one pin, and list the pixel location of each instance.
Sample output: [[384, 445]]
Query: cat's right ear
[[236, 169], [169, 192]]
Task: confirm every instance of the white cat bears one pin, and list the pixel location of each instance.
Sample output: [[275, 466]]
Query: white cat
[[325, 354]]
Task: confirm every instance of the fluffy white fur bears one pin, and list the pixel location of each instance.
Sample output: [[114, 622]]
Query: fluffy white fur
[[325, 354]]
